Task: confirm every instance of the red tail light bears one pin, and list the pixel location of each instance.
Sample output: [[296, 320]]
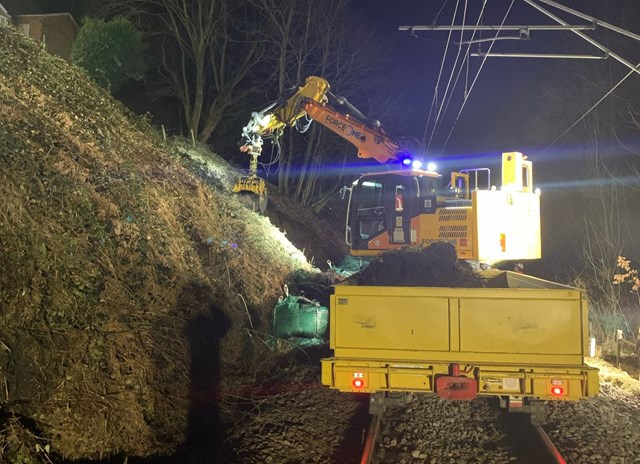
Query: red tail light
[[557, 391], [358, 383]]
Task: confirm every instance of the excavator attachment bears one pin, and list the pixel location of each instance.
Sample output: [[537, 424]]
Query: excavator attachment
[[253, 190], [269, 123]]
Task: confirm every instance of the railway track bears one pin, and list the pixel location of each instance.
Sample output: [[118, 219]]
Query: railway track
[[549, 446], [523, 443], [371, 442]]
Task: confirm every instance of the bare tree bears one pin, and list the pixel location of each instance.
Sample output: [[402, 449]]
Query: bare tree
[[328, 40], [207, 53]]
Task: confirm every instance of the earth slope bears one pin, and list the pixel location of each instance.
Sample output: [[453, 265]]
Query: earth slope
[[131, 285]]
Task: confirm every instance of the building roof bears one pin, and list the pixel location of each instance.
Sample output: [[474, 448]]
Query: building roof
[[34, 7], [48, 15]]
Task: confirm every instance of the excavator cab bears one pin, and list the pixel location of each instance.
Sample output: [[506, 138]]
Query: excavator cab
[[383, 206], [397, 209]]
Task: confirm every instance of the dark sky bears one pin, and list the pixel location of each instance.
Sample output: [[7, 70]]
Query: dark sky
[[501, 104], [506, 90]]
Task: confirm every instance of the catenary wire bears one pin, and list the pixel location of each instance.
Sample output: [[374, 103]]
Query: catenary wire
[[591, 109], [453, 68], [434, 100], [448, 98], [440, 11], [475, 79]]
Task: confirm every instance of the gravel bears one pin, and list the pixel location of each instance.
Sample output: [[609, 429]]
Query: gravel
[[599, 430], [296, 427], [431, 430], [318, 425]]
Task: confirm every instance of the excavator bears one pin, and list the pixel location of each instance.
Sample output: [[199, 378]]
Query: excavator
[[407, 206]]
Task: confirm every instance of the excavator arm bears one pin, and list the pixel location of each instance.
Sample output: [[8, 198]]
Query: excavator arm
[[270, 122], [372, 142], [310, 101]]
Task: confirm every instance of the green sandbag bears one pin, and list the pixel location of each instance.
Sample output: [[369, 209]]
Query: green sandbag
[[296, 317], [351, 265]]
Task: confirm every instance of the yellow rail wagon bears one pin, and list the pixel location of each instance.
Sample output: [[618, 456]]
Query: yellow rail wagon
[[519, 338]]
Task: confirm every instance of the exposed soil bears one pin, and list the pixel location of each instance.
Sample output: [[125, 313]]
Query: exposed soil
[[434, 266], [319, 241], [134, 288]]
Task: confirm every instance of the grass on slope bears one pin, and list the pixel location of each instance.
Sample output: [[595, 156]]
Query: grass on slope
[[127, 283]]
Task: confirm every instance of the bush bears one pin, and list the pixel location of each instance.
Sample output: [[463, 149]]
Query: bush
[[111, 52]]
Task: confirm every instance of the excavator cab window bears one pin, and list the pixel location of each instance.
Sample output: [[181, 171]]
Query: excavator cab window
[[370, 198], [383, 205], [429, 189], [400, 198], [370, 209]]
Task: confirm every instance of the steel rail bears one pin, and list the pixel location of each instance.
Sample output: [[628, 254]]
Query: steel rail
[[548, 444], [370, 443]]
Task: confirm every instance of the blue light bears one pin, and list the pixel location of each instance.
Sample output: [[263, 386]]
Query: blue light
[[406, 162]]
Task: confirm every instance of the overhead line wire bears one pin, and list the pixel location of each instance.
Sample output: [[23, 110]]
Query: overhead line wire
[[467, 61], [584, 36], [633, 69], [453, 68], [444, 56], [464, 102], [592, 108], [440, 11]]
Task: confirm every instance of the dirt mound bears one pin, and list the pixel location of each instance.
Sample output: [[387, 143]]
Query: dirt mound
[[434, 266], [128, 285], [300, 224]]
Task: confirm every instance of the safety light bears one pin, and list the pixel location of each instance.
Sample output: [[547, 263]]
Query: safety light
[[358, 380], [265, 120], [557, 391], [431, 167], [417, 164], [406, 161]]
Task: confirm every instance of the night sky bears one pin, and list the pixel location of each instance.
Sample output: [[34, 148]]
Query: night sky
[[497, 113]]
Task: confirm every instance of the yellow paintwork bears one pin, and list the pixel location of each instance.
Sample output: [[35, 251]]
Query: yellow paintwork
[[506, 225], [515, 338], [498, 226], [253, 184], [493, 380], [517, 172], [456, 177], [452, 224]]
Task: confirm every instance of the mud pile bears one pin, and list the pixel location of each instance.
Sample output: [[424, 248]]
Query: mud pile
[[436, 265], [129, 287]]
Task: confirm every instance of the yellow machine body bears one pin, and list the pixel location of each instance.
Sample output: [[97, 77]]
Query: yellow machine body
[[520, 336], [486, 225]]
